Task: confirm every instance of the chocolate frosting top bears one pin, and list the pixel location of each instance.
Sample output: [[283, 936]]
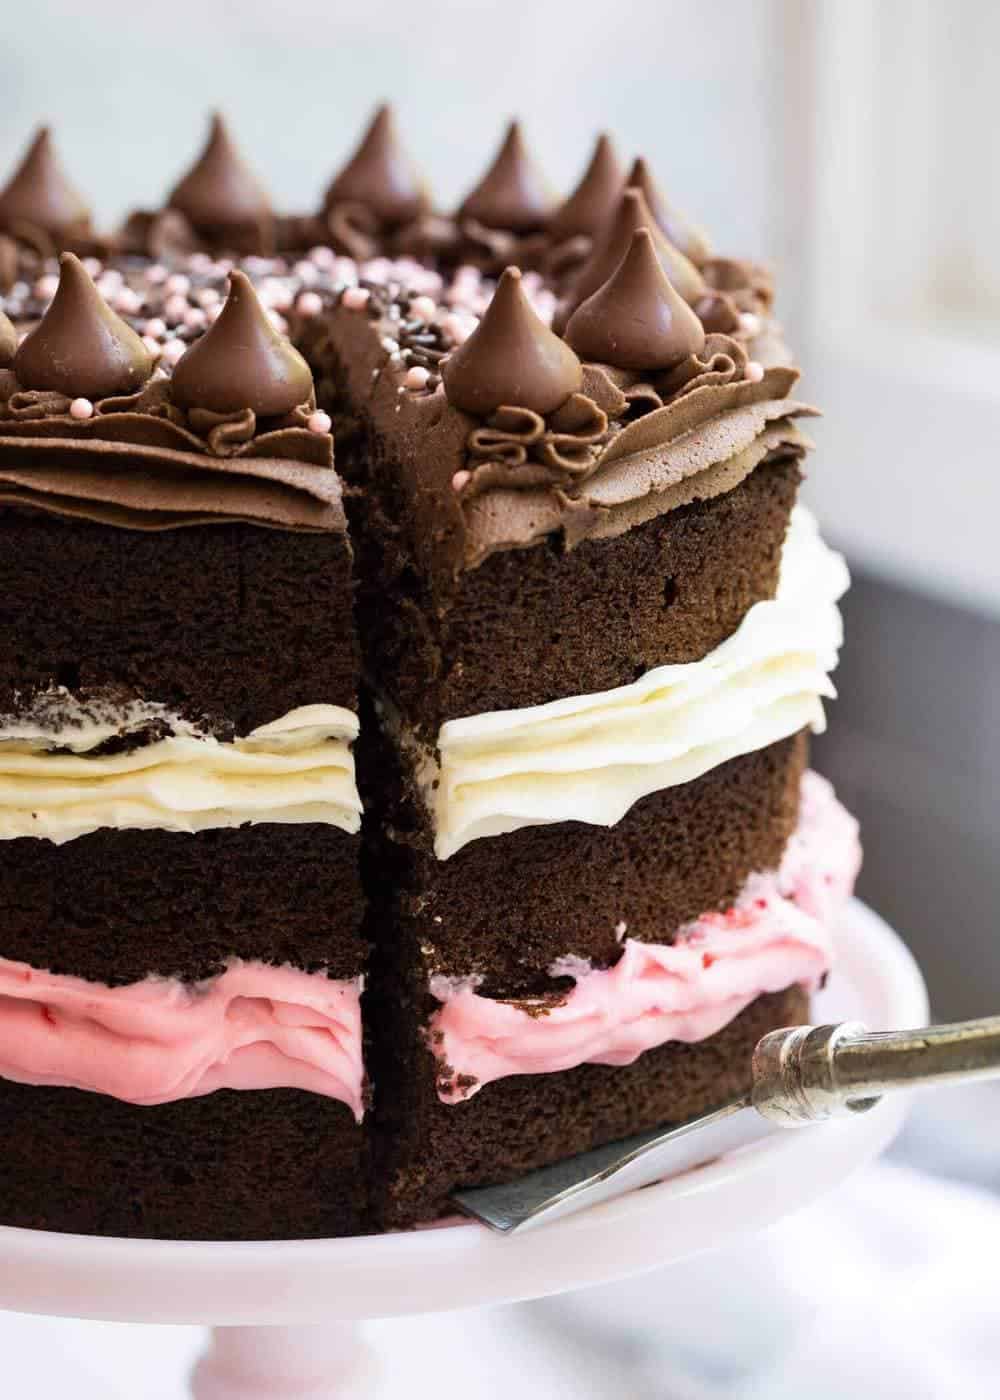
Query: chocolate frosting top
[[595, 198], [511, 359], [513, 194], [682, 233], [636, 320], [8, 342], [611, 246], [242, 362], [38, 196], [220, 192], [81, 348], [380, 176]]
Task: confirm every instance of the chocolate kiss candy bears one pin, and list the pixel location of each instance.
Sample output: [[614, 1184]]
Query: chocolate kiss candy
[[220, 190], [38, 193], [612, 245], [511, 358], [683, 234], [512, 194], [595, 198], [8, 342], [636, 320], [241, 362], [80, 347], [381, 176]]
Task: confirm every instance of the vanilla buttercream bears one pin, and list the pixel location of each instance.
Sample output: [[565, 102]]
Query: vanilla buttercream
[[55, 782], [589, 758]]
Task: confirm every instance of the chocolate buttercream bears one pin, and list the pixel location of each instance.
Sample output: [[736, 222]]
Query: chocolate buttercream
[[636, 320], [691, 240], [611, 246], [8, 342], [380, 177], [221, 197], [513, 195], [39, 204], [595, 198], [242, 363], [511, 359], [81, 348]]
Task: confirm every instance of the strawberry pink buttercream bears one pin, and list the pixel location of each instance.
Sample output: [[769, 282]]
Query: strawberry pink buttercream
[[151, 1042], [777, 934]]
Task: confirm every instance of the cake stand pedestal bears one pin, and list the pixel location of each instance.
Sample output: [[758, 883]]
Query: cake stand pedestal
[[286, 1314]]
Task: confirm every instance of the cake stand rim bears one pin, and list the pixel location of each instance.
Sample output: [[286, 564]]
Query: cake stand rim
[[253, 1283]]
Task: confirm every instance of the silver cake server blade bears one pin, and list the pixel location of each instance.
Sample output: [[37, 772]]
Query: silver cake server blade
[[800, 1075], [605, 1172]]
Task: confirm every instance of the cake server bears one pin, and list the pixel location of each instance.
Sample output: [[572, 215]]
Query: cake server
[[800, 1075]]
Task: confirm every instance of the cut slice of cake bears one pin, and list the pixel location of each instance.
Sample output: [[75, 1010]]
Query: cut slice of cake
[[182, 960]]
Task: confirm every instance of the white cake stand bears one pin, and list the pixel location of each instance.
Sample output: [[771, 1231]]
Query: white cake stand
[[286, 1314]]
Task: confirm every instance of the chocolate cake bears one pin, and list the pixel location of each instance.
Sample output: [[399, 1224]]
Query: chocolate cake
[[379, 828]]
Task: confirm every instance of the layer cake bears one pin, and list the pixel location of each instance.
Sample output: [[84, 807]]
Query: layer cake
[[564, 615]]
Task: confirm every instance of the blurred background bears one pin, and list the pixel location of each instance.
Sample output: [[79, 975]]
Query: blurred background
[[851, 143]]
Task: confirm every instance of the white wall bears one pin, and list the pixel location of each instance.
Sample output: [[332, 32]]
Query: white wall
[[128, 84]]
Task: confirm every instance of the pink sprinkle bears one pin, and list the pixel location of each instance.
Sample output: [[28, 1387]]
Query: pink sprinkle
[[460, 479], [306, 272], [319, 422], [93, 266], [355, 298], [423, 308], [175, 307], [323, 257], [207, 297], [152, 344], [278, 322], [345, 269], [195, 319], [173, 350], [214, 311], [458, 328], [754, 371], [199, 262], [178, 284], [81, 408], [416, 377], [127, 302], [749, 323], [309, 304], [155, 274], [155, 326], [45, 287]]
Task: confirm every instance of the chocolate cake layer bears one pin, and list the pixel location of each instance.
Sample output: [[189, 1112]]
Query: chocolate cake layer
[[115, 906], [234, 622], [507, 907], [427, 1148], [530, 626], [275, 1164]]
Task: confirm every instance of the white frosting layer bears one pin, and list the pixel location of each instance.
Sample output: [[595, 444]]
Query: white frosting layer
[[590, 757], [296, 769]]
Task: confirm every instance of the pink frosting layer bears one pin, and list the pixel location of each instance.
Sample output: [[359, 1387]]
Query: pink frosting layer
[[253, 1027], [777, 934]]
